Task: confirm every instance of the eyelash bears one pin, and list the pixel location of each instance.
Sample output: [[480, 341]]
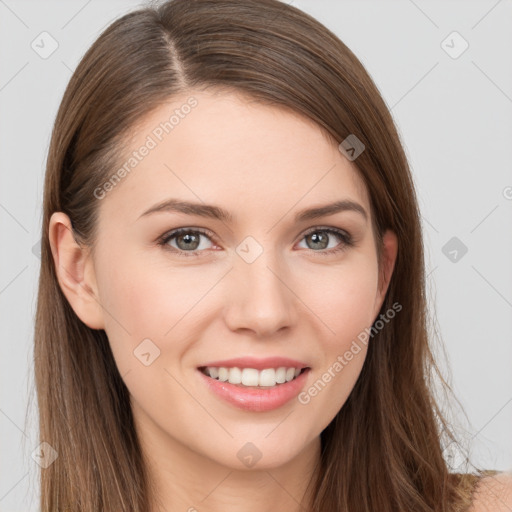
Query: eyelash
[[346, 240]]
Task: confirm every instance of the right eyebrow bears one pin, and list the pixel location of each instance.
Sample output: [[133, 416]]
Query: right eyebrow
[[189, 208]]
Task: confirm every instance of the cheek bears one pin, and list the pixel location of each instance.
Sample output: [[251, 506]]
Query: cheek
[[345, 303], [143, 299], [343, 297]]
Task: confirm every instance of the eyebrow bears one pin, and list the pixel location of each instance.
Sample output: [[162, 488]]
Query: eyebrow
[[216, 212]]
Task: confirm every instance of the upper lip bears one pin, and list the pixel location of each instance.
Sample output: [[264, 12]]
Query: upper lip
[[257, 364]]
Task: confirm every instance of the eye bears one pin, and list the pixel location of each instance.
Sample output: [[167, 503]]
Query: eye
[[320, 238], [187, 240]]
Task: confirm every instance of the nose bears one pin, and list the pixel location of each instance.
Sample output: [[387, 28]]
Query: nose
[[261, 299]]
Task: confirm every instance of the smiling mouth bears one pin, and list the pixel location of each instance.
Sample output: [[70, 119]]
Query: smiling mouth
[[251, 377]]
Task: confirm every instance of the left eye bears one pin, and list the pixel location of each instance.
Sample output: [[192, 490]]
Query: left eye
[[322, 242]]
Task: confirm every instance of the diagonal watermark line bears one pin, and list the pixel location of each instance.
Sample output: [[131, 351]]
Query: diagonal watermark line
[[77, 420], [510, 304], [14, 218], [223, 222], [200, 404], [97, 301], [280, 423], [301, 300], [284, 489], [14, 485], [13, 423], [14, 76], [13, 279], [3, 3], [91, 294], [76, 14], [503, 407], [498, 497], [206, 293], [504, 492], [72, 71], [492, 81], [425, 14], [429, 223], [301, 198], [484, 218], [485, 15], [490, 490], [432, 271], [415, 85], [216, 487]]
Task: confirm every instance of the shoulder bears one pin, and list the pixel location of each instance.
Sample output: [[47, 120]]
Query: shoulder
[[493, 493]]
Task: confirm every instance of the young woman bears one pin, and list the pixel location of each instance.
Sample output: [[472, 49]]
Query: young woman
[[231, 310]]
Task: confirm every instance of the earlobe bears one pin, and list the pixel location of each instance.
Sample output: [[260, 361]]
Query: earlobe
[[389, 254], [75, 271]]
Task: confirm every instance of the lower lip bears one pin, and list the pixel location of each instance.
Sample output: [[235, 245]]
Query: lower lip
[[253, 399]]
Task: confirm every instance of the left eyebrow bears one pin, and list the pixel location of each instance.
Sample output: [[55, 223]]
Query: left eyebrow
[[330, 209], [216, 212]]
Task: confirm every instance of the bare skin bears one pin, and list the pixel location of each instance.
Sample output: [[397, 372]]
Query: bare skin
[[493, 494], [297, 299]]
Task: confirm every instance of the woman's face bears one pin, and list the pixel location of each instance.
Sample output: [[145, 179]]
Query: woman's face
[[259, 280]]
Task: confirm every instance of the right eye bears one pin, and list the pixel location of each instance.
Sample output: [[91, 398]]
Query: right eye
[[188, 241]]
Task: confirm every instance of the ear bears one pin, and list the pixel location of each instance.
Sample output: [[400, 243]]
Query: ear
[[75, 271], [389, 253]]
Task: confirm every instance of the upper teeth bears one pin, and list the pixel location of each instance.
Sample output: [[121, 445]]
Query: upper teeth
[[253, 377]]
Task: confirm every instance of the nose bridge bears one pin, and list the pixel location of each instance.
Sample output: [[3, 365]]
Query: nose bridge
[[260, 298]]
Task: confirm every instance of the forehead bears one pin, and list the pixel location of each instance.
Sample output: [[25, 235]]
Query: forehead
[[224, 147]]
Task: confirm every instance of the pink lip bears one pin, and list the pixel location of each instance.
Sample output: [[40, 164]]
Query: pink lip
[[257, 364], [254, 399]]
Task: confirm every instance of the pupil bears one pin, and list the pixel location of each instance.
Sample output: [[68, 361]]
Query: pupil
[[189, 238], [318, 239]]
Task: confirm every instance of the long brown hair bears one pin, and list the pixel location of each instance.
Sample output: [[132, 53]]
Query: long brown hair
[[384, 449]]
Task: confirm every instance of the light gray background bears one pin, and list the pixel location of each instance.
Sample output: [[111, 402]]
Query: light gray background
[[454, 117]]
